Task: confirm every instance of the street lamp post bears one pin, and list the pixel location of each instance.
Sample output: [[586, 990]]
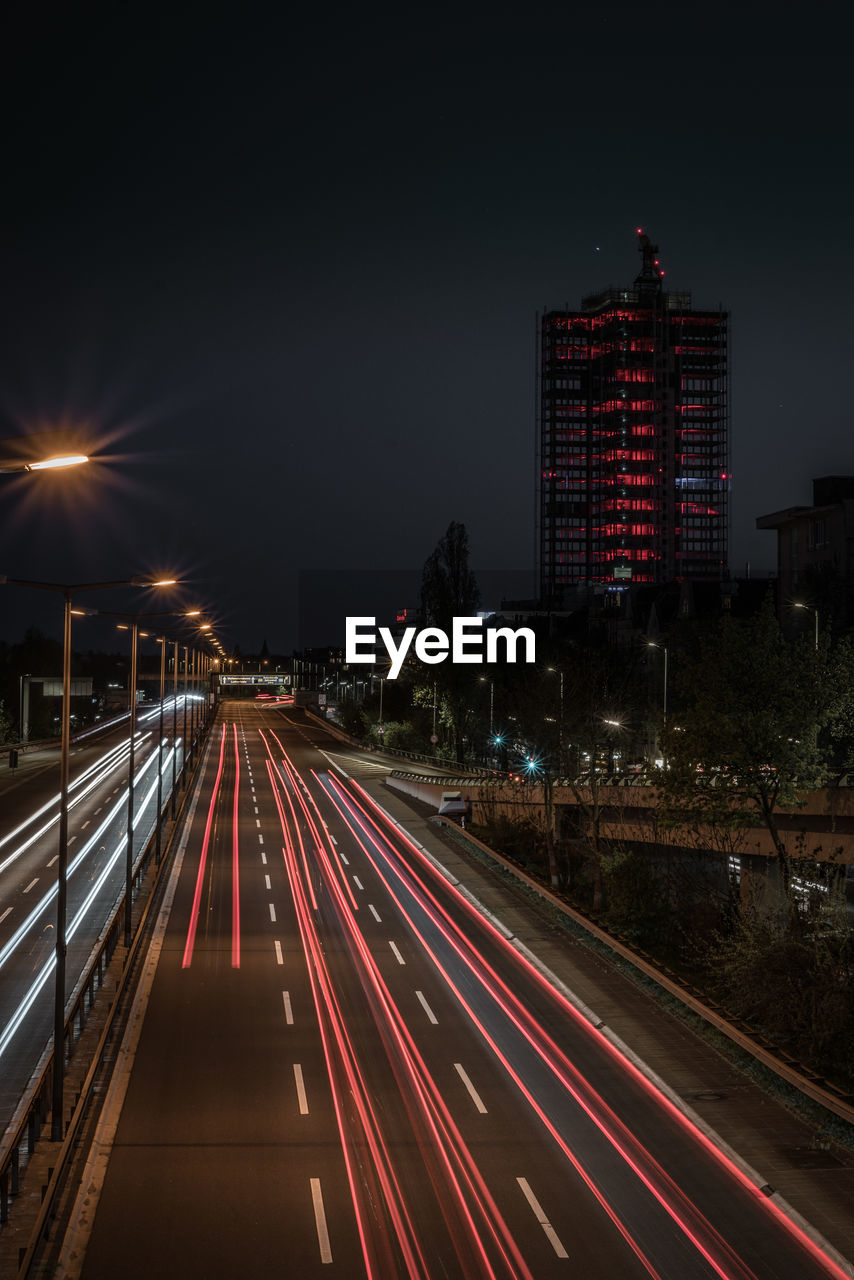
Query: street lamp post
[[157, 843], [380, 729], [133, 627], [491, 711], [134, 643], [68, 592], [653, 644], [56, 1122], [810, 609], [193, 695], [184, 743], [174, 808], [560, 673], [612, 724]]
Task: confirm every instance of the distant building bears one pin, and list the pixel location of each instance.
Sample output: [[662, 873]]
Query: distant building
[[815, 549], [633, 440]]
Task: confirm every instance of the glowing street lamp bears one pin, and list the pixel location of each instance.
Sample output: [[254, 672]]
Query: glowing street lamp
[[39, 451], [50, 464]]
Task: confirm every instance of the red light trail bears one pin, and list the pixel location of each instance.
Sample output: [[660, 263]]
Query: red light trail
[[200, 877]]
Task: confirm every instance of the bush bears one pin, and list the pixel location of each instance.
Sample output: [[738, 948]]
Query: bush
[[790, 977], [352, 720]]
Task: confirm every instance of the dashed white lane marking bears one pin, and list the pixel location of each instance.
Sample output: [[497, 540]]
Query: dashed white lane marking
[[397, 955], [267, 882], [256, 808], [334, 841], [97, 811], [55, 858], [357, 882], [375, 913], [303, 1100], [289, 1013], [7, 912], [475, 1096], [279, 956], [71, 840], [85, 824], [30, 885], [263, 857], [272, 913], [320, 1221], [344, 859], [430, 1014], [260, 839], [551, 1234], [257, 822]]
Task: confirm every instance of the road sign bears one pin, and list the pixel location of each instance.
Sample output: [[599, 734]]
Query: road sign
[[434, 738], [277, 679]]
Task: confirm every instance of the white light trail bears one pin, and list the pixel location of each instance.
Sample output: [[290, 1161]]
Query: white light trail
[[50, 964], [112, 760], [51, 893], [79, 916]]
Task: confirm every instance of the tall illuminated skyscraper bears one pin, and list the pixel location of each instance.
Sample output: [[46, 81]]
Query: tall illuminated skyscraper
[[633, 439]]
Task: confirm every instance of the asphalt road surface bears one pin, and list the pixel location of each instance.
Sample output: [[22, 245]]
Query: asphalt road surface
[[345, 1068]]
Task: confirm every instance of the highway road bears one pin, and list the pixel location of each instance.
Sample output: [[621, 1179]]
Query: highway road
[[97, 842], [345, 1067]]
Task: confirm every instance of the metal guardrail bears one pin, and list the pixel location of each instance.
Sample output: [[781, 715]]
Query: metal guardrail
[[44, 744], [35, 1105], [808, 1082], [32, 744]]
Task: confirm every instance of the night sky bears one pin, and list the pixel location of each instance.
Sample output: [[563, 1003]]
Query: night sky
[[285, 263]]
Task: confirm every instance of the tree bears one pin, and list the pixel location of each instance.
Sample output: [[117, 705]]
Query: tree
[[790, 977], [569, 712], [448, 587], [762, 718], [448, 590], [602, 701], [7, 725]]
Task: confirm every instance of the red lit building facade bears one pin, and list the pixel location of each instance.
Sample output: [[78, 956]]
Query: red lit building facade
[[633, 439]]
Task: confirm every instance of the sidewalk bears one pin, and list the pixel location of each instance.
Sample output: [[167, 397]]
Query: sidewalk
[[817, 1181]]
